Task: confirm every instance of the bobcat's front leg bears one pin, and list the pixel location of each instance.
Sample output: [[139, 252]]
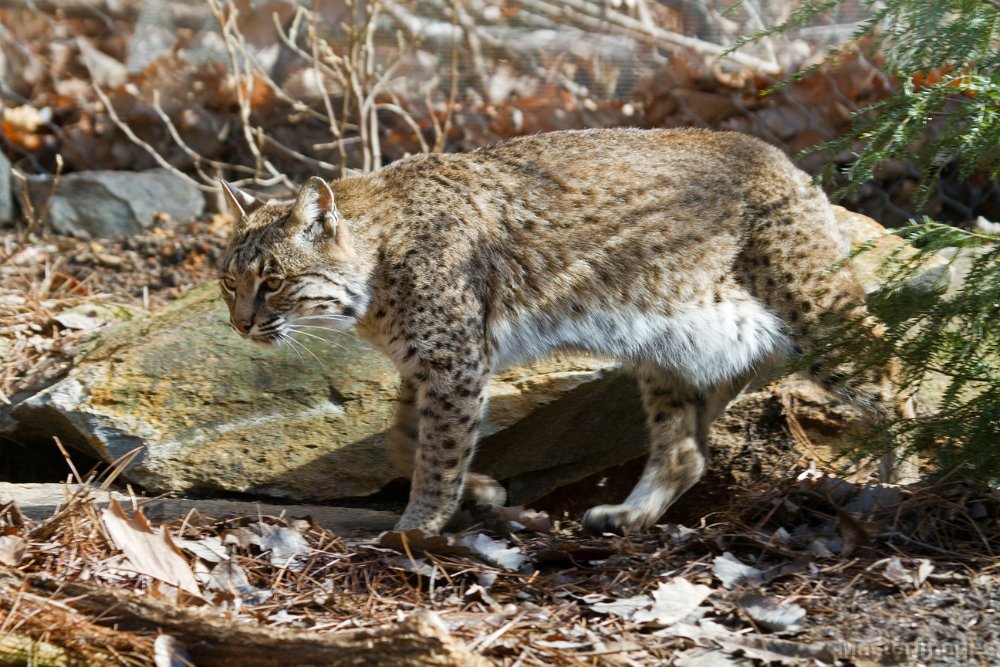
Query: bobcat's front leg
[[450, 405]]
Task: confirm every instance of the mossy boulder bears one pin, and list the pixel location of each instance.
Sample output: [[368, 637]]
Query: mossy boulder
[[207, 411]]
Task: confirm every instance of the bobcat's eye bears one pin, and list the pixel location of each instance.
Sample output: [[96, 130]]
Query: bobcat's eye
[[273, 283], [228, 283]]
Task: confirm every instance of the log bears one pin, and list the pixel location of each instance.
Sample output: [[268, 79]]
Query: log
[[181, 15], [41, 501], [210, 638]]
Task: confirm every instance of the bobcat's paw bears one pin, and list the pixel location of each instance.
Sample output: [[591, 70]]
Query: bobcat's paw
[[484, 490], [618, 519], [428, 520]]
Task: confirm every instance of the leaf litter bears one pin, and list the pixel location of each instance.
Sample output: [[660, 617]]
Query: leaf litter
[[729, 593]]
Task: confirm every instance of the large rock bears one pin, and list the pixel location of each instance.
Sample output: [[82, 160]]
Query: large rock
[[109, 203], [212, 412], [881, 244]]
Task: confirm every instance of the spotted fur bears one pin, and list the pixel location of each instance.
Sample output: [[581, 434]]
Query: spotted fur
[[699, 259]]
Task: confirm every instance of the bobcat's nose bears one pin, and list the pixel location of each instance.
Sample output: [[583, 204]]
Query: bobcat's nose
[[242, 325]]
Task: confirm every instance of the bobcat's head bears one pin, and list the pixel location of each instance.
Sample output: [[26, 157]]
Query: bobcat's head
[[291, 266]]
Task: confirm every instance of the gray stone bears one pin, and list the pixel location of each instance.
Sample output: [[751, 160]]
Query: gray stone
[[109, 203], [6, 200]]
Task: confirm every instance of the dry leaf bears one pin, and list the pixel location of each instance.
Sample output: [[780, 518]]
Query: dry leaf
[[672, 602], [495, 552], [897, 574], [150, 552], [208, 549], [924, 569], [81, 318], [730, 571], [228, 576], [772, 615], [415, 565], [701, 657], [624, 607], [284, 544]]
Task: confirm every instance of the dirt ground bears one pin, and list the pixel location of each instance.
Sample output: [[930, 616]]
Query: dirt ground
[[826, 571]]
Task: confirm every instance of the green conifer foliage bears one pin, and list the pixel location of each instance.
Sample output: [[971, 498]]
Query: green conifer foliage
[[945, 59]]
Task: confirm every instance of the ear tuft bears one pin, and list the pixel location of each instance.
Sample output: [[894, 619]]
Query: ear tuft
[[314, 208], [241, 204]]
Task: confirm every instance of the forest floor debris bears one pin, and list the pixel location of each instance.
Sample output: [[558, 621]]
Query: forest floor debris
[[813, 570], [786, 576]]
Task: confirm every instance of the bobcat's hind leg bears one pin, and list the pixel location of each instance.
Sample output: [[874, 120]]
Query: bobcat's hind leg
[[401, 448], [678, 416]]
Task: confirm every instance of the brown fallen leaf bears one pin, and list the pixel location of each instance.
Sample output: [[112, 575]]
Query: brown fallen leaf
[[150, 552]]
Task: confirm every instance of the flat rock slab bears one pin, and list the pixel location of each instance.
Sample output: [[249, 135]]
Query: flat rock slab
[[40, 501], [208, 412], [109, 203]]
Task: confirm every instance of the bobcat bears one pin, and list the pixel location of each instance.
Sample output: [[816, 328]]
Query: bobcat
[[699, 259]]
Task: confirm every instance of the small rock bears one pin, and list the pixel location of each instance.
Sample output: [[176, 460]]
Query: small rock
[[6, 201], [110, 203]]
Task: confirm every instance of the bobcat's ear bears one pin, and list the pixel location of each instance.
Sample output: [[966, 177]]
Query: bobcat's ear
[[314, 209], [241, 204]]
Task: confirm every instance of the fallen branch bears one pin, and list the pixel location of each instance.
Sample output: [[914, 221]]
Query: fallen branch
[[181, 15], [650, 34]]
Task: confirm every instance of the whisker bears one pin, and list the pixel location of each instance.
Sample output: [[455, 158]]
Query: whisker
[[296, 327], [319, 338], [304, 347], [331, 316], [291, 343]]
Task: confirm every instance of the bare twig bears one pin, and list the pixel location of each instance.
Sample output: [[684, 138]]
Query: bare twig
[[197, 158], [127, 131], [232, 40]]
